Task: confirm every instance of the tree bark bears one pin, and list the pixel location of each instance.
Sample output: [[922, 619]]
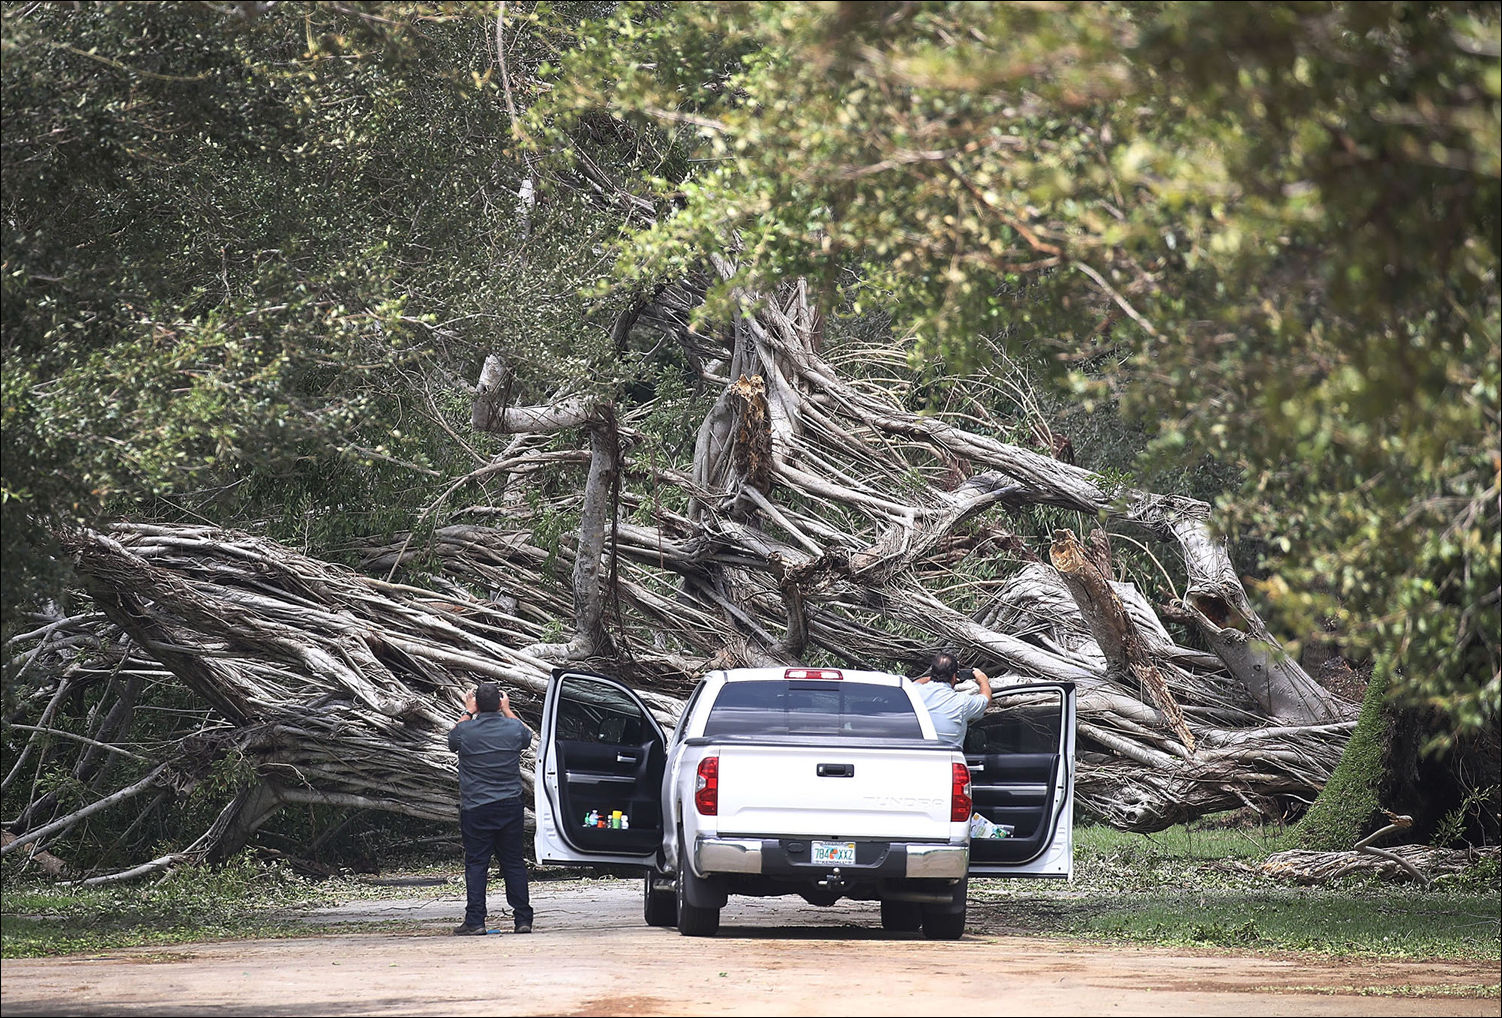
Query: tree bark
[[599, 505], [1088, 578]]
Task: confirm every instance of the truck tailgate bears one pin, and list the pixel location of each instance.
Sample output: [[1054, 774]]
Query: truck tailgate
[[886, 793]]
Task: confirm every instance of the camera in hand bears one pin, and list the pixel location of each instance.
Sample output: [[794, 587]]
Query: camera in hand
[[964, 675]]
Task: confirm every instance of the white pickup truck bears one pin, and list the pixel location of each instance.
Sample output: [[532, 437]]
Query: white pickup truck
[[818, 782]]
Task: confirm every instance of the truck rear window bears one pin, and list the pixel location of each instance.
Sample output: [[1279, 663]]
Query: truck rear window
[[806, 707]]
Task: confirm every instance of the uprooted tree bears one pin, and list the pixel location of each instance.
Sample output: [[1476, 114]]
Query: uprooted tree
[[812, 516]]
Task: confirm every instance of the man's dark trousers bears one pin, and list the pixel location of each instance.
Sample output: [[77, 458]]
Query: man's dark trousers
[[495, 827]]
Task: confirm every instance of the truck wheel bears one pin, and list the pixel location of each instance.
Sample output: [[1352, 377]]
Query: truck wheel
[[947, 922], [943, 925], [693, 921], [901, 916], [658, 907]]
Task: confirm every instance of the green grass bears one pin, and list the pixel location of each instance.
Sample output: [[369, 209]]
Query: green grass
[[1198, 887], [242, 899], [1470, 991], [1377, 924], [1184, 841], [1193, 886], [47, 936]]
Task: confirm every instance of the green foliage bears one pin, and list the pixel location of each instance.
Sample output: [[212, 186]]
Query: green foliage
[[247, 255], [1450, 832], [184, 300], [549, 525], [237, 900], [1268, 231]]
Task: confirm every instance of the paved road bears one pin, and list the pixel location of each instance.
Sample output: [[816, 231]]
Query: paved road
[[591, 955]]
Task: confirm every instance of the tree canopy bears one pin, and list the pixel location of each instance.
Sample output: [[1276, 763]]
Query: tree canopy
[[1269, 229], [244, 247]]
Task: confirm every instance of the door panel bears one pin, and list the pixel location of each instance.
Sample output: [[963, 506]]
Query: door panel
[[601, 754], [1021, 758]]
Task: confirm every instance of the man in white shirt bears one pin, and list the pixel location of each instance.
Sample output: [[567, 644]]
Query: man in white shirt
[[952, 711]]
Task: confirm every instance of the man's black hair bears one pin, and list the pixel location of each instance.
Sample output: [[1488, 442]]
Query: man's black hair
[[488, 697], [943, 666]]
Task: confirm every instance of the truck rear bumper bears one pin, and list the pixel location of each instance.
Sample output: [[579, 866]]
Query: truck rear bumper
[[790, 857]]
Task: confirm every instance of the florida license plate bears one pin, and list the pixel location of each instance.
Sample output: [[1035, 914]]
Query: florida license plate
[[833, 853]]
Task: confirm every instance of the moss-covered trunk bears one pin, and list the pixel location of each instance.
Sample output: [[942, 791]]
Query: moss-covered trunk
[[1451, 793]]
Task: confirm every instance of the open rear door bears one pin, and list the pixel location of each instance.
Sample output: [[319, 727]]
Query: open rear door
[[1021, 758], [601, 755]]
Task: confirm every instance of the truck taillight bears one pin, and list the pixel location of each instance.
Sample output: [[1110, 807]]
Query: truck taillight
[[959, 793], [707, 787]]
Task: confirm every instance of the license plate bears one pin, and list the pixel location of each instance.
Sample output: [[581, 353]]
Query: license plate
[[834, 853]]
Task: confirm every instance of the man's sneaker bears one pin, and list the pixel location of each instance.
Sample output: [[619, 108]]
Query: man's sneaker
[[523, 927], [469, 931]]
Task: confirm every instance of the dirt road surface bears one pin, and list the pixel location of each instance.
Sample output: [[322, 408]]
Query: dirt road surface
[[591, 955]]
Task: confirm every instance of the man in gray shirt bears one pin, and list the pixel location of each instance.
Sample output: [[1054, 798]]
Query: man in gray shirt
[[490, 739], [952, 711]]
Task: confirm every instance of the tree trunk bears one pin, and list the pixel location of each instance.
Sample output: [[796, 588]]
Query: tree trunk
[[1451, 794], [1088, 578]]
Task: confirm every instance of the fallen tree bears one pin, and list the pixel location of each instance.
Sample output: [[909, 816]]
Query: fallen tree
[[819, 519], [1418, 863]]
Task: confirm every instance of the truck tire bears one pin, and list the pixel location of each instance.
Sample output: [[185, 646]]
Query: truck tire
[[693, 921], [947, 922], [901, 916], [943, 925], [658, 907]]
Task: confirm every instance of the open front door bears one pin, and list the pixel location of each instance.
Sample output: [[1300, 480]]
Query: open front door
[[1021, 757], [598, 782]]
